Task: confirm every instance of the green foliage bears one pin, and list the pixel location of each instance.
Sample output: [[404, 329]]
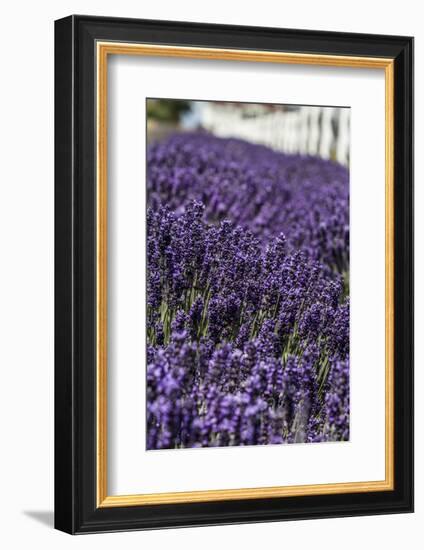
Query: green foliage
[[167, 110]]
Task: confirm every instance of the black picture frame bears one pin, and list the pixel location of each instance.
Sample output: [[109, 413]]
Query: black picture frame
[[76, 510]]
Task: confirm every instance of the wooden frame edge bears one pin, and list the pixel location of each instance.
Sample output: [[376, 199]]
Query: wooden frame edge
[[103, 49], [101, 268]]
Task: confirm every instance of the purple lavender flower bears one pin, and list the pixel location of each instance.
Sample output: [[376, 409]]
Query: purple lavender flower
[[247, 296], [267, 192]]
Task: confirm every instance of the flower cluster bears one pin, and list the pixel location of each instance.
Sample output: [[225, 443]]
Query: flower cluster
[[259, 189], [247, 296]]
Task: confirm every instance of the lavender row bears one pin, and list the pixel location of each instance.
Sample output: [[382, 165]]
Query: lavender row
[[256, 188], [201, 396], [248, 342]]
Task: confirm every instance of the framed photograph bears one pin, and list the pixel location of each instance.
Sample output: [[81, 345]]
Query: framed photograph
[[234, 274]]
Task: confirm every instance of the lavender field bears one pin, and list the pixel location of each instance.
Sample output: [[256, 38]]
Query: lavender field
[[247, 295]]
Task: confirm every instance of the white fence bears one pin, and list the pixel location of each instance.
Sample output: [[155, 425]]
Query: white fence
[[322, 131]]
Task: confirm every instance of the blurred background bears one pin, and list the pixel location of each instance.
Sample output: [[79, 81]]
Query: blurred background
[[312, 130]]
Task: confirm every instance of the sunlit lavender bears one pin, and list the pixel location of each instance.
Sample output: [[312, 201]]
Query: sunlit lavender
[[247, 295]]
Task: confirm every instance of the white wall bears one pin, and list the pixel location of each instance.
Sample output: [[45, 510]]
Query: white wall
[[26, 274]]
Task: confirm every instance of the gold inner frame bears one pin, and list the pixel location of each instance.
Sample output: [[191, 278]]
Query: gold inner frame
[[103, 50]]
